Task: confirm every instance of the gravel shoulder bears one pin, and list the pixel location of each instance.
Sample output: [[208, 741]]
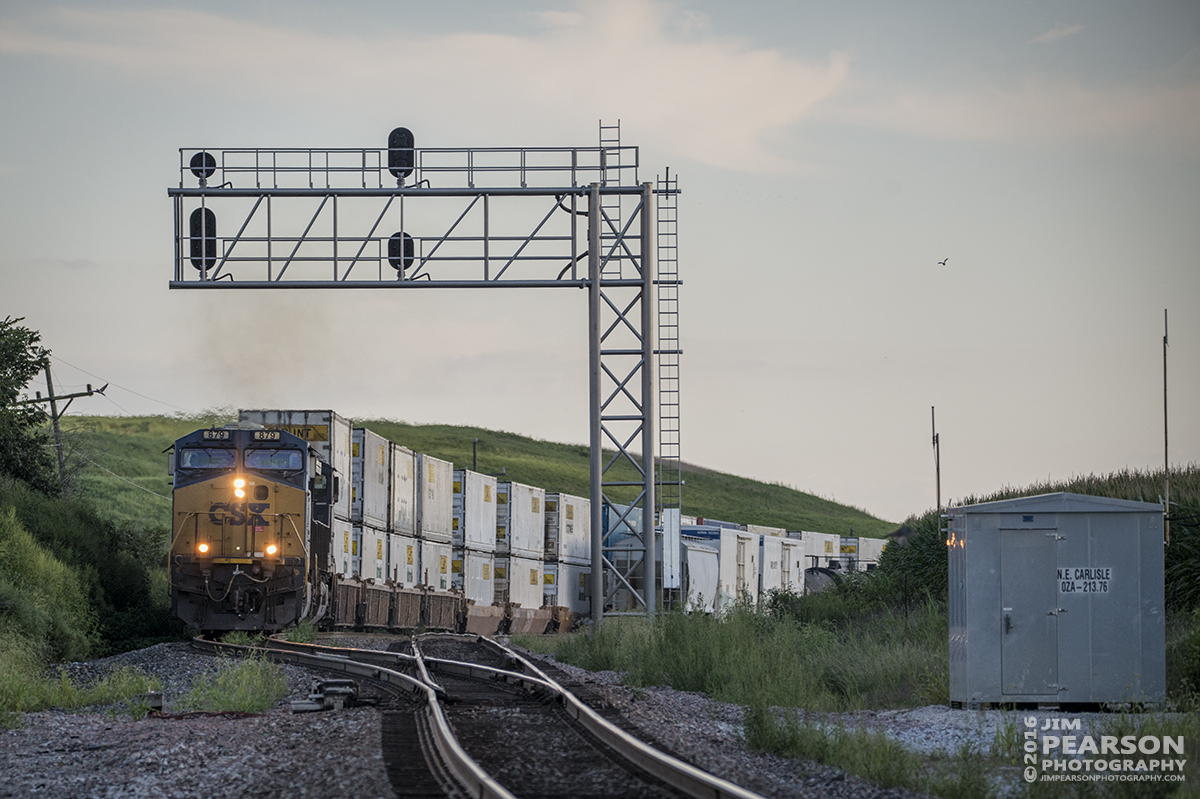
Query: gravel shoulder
[[101, 752]]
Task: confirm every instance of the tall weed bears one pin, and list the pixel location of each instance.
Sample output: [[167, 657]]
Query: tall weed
[[249, 685], [760, 658], [25, 686]]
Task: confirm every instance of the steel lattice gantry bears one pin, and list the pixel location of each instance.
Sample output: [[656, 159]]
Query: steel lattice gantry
[[408, 218]]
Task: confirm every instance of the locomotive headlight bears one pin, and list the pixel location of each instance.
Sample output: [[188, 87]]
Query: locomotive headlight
[[239, 486], [203, 548], [272, 549]]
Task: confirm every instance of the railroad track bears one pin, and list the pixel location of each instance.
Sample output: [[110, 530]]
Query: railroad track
[[492, 725]]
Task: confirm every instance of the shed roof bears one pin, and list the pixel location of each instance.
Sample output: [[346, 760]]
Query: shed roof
[[1062, 502]]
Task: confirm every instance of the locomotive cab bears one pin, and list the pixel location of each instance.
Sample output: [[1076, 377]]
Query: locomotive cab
[[242, 516]]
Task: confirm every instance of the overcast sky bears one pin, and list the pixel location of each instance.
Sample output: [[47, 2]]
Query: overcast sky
[[830, 155]]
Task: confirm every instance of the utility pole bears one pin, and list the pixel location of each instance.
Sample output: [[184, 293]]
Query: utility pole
[[55, 414], [937, 458], [1166, 457]]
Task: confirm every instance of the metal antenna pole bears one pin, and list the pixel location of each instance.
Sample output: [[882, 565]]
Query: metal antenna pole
[[648, 374], [597, 470]]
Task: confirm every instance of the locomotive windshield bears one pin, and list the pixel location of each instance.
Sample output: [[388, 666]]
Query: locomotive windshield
[[196, 458], [275, 459]]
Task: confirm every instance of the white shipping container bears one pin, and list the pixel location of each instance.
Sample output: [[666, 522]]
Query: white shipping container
[[739, 567], [565, 585], [340, 545], [352, 552], [520, 521], [791, 577], [372, 550], [370, 461], [702, 561], [473, 573], [770, 563], [435, 565], [402, 496], [326, 432], [568, 529], [869, 550], [474, 523], [435, 498], [404, 560], [764, 530], [519, 581], [821, 549]]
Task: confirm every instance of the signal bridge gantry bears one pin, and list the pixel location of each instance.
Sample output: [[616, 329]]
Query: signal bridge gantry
[[403, 217]]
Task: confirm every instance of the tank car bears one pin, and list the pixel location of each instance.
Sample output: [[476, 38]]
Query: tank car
[[251, 530]]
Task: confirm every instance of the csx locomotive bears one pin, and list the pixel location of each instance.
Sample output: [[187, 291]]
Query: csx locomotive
[[251, 533]]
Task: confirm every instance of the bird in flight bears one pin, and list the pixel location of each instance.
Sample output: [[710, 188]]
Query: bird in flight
[[943, 262]]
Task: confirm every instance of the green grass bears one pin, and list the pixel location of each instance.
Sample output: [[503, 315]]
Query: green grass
[[249, 685], [131, 447], [43, 598], [122, 467], [886, 659], [25, 686], [869, 754]]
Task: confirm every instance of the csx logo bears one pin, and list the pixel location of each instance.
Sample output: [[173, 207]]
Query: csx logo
[[236, 513]]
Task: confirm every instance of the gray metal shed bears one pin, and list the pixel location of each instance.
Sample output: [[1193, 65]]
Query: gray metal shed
[[1056, 599]]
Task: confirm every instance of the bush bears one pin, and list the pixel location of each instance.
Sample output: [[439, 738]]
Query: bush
[[44, 599], [115, 581], [1183, 658]]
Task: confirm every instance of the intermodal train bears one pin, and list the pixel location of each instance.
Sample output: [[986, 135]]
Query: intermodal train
[[273, 524]]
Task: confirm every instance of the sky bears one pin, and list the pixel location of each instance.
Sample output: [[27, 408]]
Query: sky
[[829, 156]]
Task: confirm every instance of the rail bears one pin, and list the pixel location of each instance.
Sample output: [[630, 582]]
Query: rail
[[459, 764], [682, 776], [369, 663]]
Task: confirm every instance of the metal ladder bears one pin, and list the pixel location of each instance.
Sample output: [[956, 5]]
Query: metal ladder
[[670, 484], [610, 174]]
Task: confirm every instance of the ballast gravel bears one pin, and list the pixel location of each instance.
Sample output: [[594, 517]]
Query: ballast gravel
[[102, 752]]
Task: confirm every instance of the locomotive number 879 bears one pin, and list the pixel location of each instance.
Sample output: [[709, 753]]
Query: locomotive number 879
[[250, 544]]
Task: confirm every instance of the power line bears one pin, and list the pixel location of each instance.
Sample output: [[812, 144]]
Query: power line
[[122, 479], [118, 385]]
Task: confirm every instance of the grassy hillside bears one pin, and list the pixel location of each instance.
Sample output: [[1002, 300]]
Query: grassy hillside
[[126, 468]]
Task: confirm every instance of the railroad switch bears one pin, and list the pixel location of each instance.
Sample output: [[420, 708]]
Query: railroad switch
[[332, 695]]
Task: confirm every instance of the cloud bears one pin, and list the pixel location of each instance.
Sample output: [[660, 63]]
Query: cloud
[[717, 99], [1043, 109], [1057, 33], [74, 264]]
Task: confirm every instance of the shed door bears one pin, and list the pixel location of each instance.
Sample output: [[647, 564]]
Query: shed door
[[1029, 626]]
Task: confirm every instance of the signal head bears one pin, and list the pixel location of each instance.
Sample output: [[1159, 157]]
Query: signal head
[[203, 165], [401, 155]]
